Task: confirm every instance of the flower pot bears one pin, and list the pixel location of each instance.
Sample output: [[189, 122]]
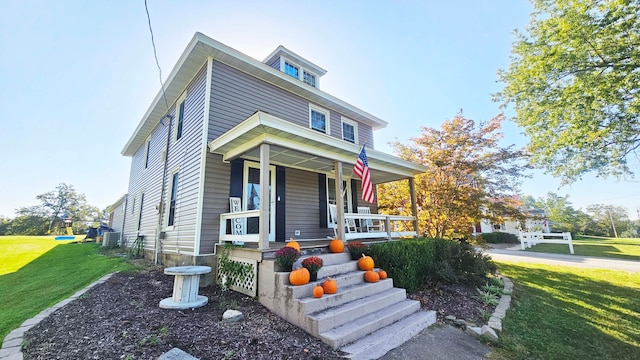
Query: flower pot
[[287, 268], [314, 276]]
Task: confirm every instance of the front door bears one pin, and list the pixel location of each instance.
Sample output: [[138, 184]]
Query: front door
[[251, 194]]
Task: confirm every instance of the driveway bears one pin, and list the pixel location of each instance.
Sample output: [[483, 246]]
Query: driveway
[[564, 260]]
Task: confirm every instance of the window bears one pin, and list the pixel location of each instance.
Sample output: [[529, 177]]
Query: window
[[140, 214], [172, 199], [146, 155], [291, 70], [309, 78], [349, 131], [180, 120], [133, 206], [318, 119]]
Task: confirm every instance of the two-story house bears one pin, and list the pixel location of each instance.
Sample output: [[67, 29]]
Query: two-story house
[[223, 124], [237, 150]]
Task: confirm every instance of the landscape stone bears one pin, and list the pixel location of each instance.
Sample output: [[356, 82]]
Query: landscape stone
[[474, 331], [176, 354], [489, 333], [460, 323], [450, 318], [232, 316], [495, 323]]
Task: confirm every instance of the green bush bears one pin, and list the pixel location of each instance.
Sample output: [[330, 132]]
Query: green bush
[[419, 262], [500, 238]]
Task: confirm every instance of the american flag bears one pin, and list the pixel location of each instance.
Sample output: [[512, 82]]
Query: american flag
[[362, 170]]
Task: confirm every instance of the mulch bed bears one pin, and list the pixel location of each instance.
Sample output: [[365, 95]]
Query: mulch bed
[[120, 319]]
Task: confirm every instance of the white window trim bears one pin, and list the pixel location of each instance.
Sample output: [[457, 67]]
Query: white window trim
[[272, 195], [327, 118], [168, 199], [182, 98], [301, 70], [345, 120]]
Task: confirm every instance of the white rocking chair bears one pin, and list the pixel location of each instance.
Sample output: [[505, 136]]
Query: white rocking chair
[[349, 224], [368, 223]]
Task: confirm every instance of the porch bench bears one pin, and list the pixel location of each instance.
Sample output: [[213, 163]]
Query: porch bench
[[185, 287], [529, 239]]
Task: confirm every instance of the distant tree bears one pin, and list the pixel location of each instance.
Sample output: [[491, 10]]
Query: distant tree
[[5, 226], [612, 220], [574, 81], [63, 201], [469, 177], [31, 220]]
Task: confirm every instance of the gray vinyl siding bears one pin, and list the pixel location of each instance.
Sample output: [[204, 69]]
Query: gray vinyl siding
[[235, 96], [275, 63], [216, 201], [184, 156], [302, 206]]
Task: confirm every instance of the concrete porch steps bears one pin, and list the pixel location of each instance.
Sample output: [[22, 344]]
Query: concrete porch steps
[[356, 318], [376, 344]]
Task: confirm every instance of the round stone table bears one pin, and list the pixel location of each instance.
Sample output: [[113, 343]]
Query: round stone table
[[185, 287]]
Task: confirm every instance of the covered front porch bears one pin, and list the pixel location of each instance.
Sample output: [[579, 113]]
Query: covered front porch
[[268, 141]]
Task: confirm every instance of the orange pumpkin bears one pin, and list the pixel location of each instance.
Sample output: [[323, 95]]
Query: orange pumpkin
[[294, 244], [299, 276], [330, 286], [336, 246], [383, 274], [318, 291], [365, 263], [371, 276]]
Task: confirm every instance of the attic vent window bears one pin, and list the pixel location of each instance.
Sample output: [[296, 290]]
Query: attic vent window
[[309, 78], [291, 70]]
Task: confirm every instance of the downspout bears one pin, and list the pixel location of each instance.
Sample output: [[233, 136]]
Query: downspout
[[164, 176]]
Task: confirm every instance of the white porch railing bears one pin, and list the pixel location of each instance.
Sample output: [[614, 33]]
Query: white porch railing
[[389, 230], [237, 232], [390, 225]]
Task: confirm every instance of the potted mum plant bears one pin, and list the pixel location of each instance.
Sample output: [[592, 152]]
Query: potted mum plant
[[286, 256], [356, 249], [313, 264]]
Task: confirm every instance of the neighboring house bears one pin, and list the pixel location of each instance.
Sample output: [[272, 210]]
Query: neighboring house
[[536, 220], [116, 213], [227, 123]]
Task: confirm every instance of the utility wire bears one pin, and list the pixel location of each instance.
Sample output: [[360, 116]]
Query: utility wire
[[155, 55]]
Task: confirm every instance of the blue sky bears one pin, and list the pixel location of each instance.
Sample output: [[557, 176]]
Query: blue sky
[[77, 76]]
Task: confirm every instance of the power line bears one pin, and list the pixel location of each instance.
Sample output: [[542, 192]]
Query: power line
[[155, 55]]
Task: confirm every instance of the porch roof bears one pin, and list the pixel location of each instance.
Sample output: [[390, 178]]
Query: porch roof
[[296, 146]]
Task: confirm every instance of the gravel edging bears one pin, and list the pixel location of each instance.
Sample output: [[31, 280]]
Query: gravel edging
[[12, 345]]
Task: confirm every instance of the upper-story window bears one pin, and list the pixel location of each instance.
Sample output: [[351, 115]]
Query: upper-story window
[[180, 116], [291, 70], [146, 154], [319, 119], [309, 78], [349, 131]]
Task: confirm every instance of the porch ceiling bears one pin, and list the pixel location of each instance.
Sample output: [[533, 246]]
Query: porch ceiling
[[295, 146]]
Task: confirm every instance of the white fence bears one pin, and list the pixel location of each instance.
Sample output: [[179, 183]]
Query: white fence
[[528, 239]]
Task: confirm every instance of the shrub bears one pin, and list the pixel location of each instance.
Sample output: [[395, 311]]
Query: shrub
[[500, 238], [419, 262]]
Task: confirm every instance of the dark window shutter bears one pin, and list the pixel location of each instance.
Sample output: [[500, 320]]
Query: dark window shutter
[[237, 168], [322, 200], [280, 203]]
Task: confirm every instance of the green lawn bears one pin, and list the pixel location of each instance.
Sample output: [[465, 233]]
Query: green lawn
[[627, 249], [37, 272], [570, 313]]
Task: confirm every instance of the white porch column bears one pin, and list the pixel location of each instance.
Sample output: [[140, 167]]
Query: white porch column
[[339, 200], [414, 204], [265, 203]]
